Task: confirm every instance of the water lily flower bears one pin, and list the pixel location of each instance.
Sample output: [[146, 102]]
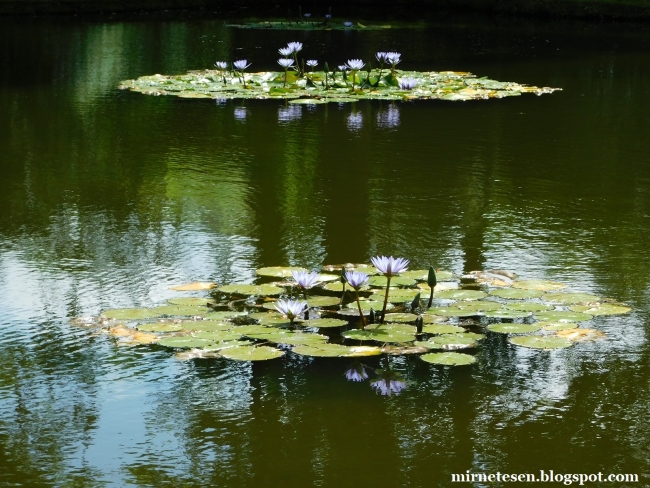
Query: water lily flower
[[356, 279], [393, 58], [343, 67], [390, 266], [295, 46], [311, 62], [328, 16], [305, 280], [381, 57], [408, 83], [285, 51], [355, 64], [357, 372], [285, 62], [291, 308], [347, 24], [221, 64], [241, 64], [307, 15]]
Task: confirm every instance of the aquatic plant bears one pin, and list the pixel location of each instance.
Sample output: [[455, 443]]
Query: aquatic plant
[[389, 382], [356, 372], [291, 308], [390, 267], [357, 279], [408, 83], [240, 66], [354, 65], [305, 279]]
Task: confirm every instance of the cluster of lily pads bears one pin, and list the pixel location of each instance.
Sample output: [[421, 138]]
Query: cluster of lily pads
[[356, 310], [348, 82]]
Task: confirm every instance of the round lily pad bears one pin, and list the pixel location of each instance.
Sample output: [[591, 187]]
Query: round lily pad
[[337, 286], [449, 341], [378, 335], [402, 350], [601, 309], [555, 326], [460, 294], [226, 344], [325, 278], [506, 314], [541, 285], [248, 353], [278, 272], [529, 306], [442, 329], [322, 301], [205, 325], [541, 342], [323, 323], [261, 290], [381, 280], [571, 298], [160, 327], [396, 295], [450, 312], [448, 358], [224, 314], [217, 335], [277, 321], [297, 338], [401, 317], [263, 315], [516, 293], [181, 311], [479, 306], [562, 316], [254, 330], [321, 350], [190, 301], [184, 342], [131, 313], [513, 328], [377, 306]]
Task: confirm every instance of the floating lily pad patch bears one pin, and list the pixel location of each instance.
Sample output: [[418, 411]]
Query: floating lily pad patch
[[181, 311], [460, 294], [217, 335], [448, 358], [160, 327], [279, 271], [205, 325], [324, 323], [513, 328], [516, 293], [401, 317], [540, 285], [442, 329], [555, 326], [252, 353], [381, 335], [571, 298], [541, 342], [261, 290], [479, 306], [190, 301], [449, 341], [562, 316], [450, 312], [601, 309], [394, 281], [321, 350], [224, 314], [529, 306], [184, 342], [507, 314], [322, 301], [375, 305]]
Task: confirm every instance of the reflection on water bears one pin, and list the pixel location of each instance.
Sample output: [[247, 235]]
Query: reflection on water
[[111, 197]]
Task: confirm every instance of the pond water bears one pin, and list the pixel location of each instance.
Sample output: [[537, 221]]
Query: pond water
[[109, 197]]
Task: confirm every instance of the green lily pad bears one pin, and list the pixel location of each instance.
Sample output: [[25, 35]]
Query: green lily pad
[[264, 315], [131, 313], [277, 321], [377, 306], [205, 325], [442, 329], [541, 285], [381, 280], [517, 293], [321, 350], [571, 298], [309, 101], [449, 341], [561, 316], [337, 287], [223, 315], [190, 301], [254, 331], [261, 290], [479, 306], [181, 311], [601, 309], [160, 327], [460, 294], [450, 312], [217, 335], [400, 317], [378, 335], [396, 295], [184, 342], [322, 301], [513, 328], [248, 353], [326, 278], [448, 358], [541, 342], [323, 323], [506, 314], [555, 326], [529, 307], [296, 338], [226, 345]]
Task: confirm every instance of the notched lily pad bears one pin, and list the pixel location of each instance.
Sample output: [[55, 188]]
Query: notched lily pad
[[322, 350], [205, 325], [160, 327], [450, 312], [224, 314], [513, 328], [190, 301], [196, 286], [555, 326], [529, 307], [448, 358], [479, 306], [401, 317], [184, 342], [254, 353], [442, 329], [181, 311], [507, 314], [381, 281], [541, 342], [322, 301], [449, 341]]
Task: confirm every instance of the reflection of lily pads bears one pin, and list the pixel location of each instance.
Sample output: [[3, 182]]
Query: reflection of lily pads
[[442, 329], [562, 316], [529, 306], [460, 294], [555, 326], [516, 293], [262, 290], [160, 327], [247, 353], [541, 285], [324, 323], [601, 309], [513, 328], [448, 358], [131, 313], [279, 271], [507, 314], [571, 298], [541, 342]]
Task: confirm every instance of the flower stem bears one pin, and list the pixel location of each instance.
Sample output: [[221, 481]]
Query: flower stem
[[383, 312], [363, 318]]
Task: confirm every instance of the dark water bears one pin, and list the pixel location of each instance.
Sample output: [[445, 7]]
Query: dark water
[[108, 198]]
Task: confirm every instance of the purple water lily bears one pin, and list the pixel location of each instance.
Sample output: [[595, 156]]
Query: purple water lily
[[291, 308], [285, 51], [381, 57], [305, 279], [311, 62], [390, 267], [241, 65], [295, 46], [285, 62], [393, 58], [348, 24], [408, 83], [357, 372], [355, 64], [221, 65], [356, 279]]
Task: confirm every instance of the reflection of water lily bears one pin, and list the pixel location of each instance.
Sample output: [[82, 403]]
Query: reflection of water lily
[[305, 280], [388, 383], [389, 119], [390, 266], [307, 15], [355, 121], [240, 113], [291, 308], [357, 372], [289, 113]]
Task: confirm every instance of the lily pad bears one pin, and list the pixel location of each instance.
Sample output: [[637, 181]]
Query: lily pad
[[449, 341], [363, 351], [255, 353], [571, 298], [131, 313], [479, 306], [529, 306], [297, 338], [601, 309], [450, 312], [218, 335], [223, 315], [401, 317], [547, 342], [196, 286], [160, 327], [461, 294], [322, 301], [381, 281], [448, 358], [442, 329], [322, 350], [190, 301], [507, 314], [513, 328], [261, 290], [323, 323], [378, 335], [402, 350], [541, 285], [181, 311], [377, 306], [517, 293], [184, 342], [562, 316], [397, 295], [205, 325], [278, 271], [555, 326]]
